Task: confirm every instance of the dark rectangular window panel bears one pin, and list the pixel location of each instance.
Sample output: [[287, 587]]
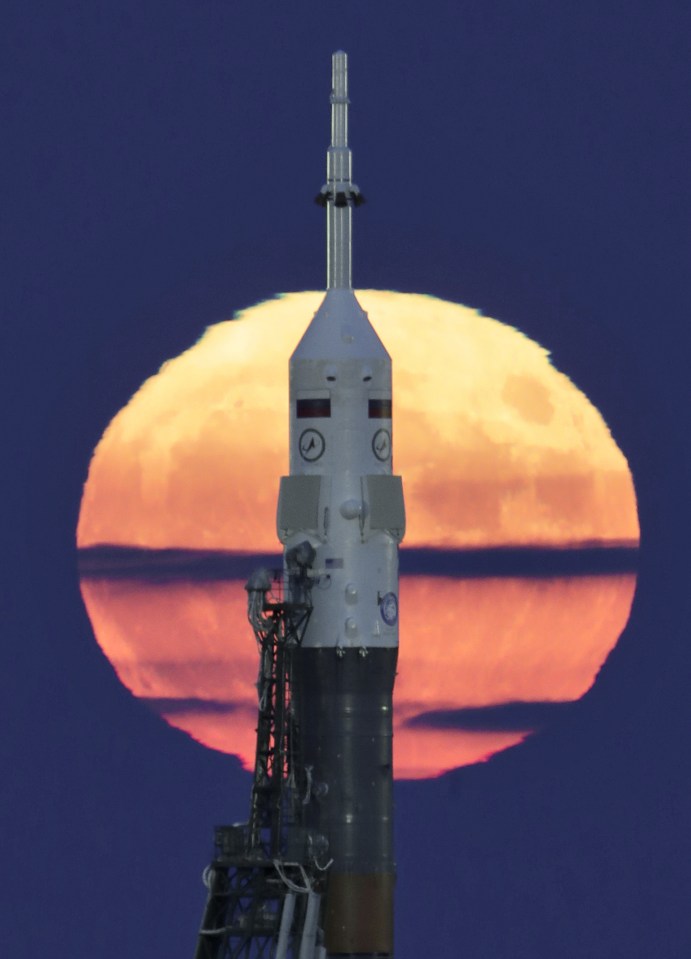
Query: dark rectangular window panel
[[307, 409], [380, 409]]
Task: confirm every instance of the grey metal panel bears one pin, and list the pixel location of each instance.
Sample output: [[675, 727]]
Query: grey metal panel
[[344, 713], [298, 505], [344, 709], [384, 497]]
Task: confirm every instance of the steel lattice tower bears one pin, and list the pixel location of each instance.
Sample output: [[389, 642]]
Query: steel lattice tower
[[264, 883]]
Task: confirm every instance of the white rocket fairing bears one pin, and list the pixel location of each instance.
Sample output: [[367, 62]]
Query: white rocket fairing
[[340, 494], [342, 499]]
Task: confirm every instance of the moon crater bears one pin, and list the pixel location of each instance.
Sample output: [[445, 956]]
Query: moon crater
[[530, 398]]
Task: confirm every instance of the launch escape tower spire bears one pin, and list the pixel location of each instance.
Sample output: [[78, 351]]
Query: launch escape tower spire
[[339, 194], [311, 874]]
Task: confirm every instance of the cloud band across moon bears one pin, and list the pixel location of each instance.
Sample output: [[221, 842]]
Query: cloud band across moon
[[503, 717], [495, 561]]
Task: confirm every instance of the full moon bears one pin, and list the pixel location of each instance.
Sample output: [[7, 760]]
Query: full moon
[[496, 448]]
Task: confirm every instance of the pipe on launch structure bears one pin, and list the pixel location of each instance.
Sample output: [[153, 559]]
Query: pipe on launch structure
[[342, 498]]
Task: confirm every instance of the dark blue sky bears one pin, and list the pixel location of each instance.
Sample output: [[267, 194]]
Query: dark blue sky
[[158, 166]]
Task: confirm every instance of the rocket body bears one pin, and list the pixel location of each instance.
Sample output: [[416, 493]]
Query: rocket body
[[342, 498], [341, 494]]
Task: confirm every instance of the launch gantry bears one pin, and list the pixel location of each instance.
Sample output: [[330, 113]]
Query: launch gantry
[[264, 883]]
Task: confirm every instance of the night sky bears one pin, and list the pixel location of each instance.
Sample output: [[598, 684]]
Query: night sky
[[159, 161]]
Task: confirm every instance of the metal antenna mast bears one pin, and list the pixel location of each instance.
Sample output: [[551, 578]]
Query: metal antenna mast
[[339, 194]]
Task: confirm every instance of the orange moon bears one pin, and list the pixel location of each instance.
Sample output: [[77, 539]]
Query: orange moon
[[496, 447]]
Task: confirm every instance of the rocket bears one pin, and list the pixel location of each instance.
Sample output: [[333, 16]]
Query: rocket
[[311, 874], [343, 505]]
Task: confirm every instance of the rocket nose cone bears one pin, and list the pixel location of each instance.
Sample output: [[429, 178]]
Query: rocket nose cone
[[340, 329]]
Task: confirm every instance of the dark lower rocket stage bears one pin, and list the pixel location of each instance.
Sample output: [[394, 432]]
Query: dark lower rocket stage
[[343, 703]]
